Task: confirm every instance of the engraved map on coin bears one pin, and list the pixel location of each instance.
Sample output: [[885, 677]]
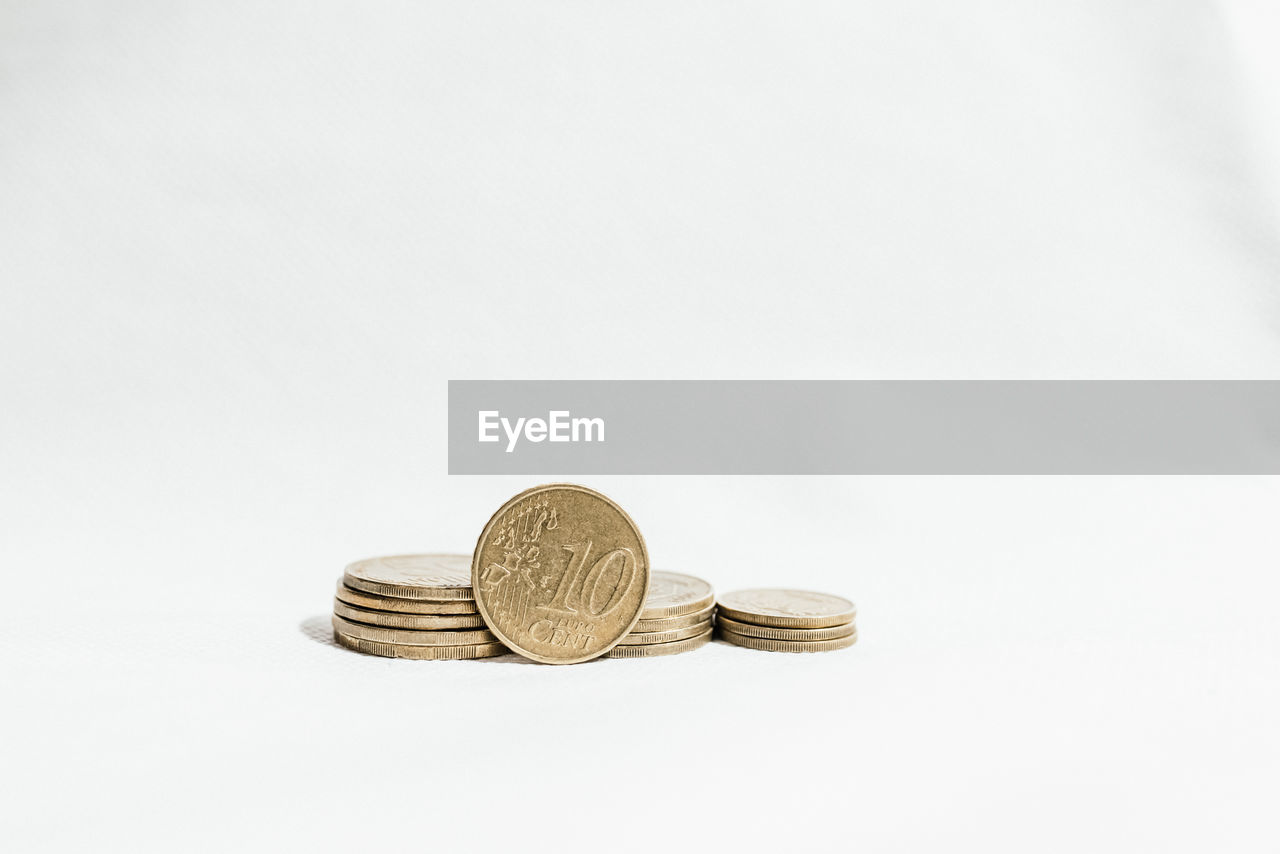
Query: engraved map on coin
[[560, 573]]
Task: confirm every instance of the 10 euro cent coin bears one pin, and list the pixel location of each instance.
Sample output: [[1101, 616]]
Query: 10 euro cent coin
[[560, 573]]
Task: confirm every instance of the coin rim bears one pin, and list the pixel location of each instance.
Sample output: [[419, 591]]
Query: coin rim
[[475, 571], [702, 604], [770, 645], [401, 605], [667, 636], [661, 624], [403, 591], [653, 650], [460, 652], [819, 621], [410, 637], [738, 627], [417, 622]]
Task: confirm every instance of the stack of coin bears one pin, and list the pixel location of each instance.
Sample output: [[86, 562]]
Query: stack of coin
[[412, 606], [676, 618], [787, 620]]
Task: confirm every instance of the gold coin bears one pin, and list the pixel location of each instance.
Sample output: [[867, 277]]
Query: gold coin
[[386, 619], [672, 594], [403, 606], [646, 638], [770, 645], [560, 573], [650, 650], [662, 624], [410, 637], [831, 633], [423, 653], [787, 609], [434, 577]]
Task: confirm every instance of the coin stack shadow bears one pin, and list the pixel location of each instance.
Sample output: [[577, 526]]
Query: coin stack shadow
[[424, 622], [786, 621], [677, 617]]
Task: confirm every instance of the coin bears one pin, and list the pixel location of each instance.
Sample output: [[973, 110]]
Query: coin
[[410, 637], [403, 606], [644, 638], [662, 624], [653, 649], [770, 645], [434, 577], [428, 653], [560, 573], [387, 619], [787, 609], [672, 594], [749, 630]]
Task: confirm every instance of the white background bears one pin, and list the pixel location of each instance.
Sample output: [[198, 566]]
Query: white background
[[243, 246]]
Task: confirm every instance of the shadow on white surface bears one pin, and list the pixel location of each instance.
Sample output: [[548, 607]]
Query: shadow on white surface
[[319, 629]]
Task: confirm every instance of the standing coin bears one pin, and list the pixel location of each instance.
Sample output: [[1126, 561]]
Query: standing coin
[[435, 577], [787, 609], [560, 573], [727, 625], [672, 594]]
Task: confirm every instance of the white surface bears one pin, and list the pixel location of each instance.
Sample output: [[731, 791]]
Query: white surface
[[243, 246]]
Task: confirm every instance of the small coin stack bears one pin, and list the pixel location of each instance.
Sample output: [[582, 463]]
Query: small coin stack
[[676, 618], [412, 606], [787, 620]]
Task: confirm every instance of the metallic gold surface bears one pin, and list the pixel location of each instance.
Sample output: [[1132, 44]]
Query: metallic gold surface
[[672, 594], [411, 637], [831, 633], [435, 577], [770, 645], [560, 573], [397, 605], [422, 653], [421, 622], [645, 638], [786, 609], [655, 649], [662, 624]]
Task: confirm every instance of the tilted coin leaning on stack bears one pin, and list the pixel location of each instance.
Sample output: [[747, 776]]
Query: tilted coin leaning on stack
[[787, 620], [676, 618], [412, 606]]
